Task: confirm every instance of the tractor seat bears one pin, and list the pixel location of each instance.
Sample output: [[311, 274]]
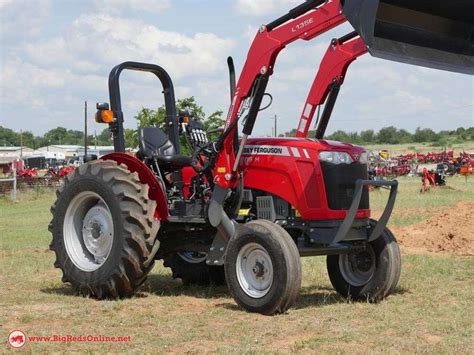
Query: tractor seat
[[154, 144]]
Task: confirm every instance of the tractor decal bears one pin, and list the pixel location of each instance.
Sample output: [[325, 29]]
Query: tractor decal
[[266, 150]]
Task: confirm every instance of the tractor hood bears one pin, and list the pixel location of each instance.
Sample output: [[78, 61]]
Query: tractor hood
[[432, 33]]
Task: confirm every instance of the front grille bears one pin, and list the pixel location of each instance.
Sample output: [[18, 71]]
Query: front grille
[[339, 181]]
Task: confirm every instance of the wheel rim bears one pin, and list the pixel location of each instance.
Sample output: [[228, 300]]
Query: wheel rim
[[358, 269], [254, 270], [193, 257], [88, 231]]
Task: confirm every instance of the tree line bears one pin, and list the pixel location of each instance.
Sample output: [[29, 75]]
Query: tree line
[[152, 117], [145, 117], [393, 135], [55, 136]]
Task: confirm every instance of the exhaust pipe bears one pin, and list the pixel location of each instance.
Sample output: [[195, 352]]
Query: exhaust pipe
[[432, 33]]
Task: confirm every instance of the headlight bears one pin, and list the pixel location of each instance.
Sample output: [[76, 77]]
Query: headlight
[[364, 158], [335, 157]]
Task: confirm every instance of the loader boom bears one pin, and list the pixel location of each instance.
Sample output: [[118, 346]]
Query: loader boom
[[431, 33], [330, 76], [309, 20]]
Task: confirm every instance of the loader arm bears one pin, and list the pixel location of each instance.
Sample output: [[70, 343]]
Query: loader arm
[[308, 20], [430, 33], [329, 78]]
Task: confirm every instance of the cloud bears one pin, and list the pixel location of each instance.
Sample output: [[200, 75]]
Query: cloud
[[123, 6], [56, 74], [97, 42], [4, 3], [21, 20], [264, 7], [47, 72]]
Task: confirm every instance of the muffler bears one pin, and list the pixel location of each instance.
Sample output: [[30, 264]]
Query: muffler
[[432, 33]]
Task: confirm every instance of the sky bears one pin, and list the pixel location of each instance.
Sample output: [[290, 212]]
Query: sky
[[54, 54]]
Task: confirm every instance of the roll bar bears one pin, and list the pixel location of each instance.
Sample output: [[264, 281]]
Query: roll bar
[[116, 104]]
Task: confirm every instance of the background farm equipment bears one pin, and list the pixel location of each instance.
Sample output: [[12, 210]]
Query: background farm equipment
[[59, 171], [24, 178], [301, 196], [415, 163], [434, 178], [27, 173]]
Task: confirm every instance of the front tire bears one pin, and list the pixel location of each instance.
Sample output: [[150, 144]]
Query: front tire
[[262, 268], [104, 232], [371, 274]]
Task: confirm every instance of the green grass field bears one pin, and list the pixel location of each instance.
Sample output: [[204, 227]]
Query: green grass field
[[396, 149], [432, 310]]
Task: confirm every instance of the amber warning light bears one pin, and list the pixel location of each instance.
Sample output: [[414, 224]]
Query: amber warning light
[[104, 114]]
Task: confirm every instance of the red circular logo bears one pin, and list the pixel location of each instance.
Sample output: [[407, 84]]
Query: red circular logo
[[17, 339]]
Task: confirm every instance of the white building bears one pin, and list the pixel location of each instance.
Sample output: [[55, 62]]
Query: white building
[[10, 154], [69, 151], [99, 150], [14, 152], [72, 151], [48, 155]]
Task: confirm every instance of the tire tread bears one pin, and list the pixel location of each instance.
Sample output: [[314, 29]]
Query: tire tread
[[139, 229]]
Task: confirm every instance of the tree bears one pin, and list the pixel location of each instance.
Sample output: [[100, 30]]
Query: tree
[[7, 137], [388, 135], [470, 133], [292, 133], [404, 136], [27, 138], [149, 117], [105, 137], [157, 118], [131, 138], [354, 138], [425, 135], [56, 135], [339, 136], [367, 136]]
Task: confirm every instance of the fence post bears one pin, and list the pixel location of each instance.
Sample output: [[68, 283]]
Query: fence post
[[14, 185]]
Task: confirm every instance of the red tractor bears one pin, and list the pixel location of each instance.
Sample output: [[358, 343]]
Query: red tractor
[[243, 210]]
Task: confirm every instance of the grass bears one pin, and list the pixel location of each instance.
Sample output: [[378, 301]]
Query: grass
[[411, 206], [431, 310], [396, 149]]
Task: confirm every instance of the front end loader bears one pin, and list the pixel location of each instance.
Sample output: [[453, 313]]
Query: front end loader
[[242, 210]]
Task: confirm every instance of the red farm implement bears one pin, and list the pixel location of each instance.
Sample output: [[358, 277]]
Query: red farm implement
[[27, 173], [61, 172]]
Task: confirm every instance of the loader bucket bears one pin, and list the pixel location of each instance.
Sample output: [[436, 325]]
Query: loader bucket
[[432, 33]]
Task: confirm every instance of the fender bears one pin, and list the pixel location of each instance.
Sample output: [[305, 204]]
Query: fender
[[147, 177]]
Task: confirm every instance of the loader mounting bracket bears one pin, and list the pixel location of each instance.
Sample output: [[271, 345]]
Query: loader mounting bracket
[[351, 213]]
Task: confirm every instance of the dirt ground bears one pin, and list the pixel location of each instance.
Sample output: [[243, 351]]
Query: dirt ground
[[450, 231]]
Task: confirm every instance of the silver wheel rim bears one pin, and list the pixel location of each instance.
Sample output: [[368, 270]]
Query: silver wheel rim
[[193, 257], [88, 231], [254, 270], [358, 269]]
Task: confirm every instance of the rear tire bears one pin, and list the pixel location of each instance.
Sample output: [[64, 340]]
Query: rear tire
[[192, 269], [368, 275], [262, 268], [104, 232]]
